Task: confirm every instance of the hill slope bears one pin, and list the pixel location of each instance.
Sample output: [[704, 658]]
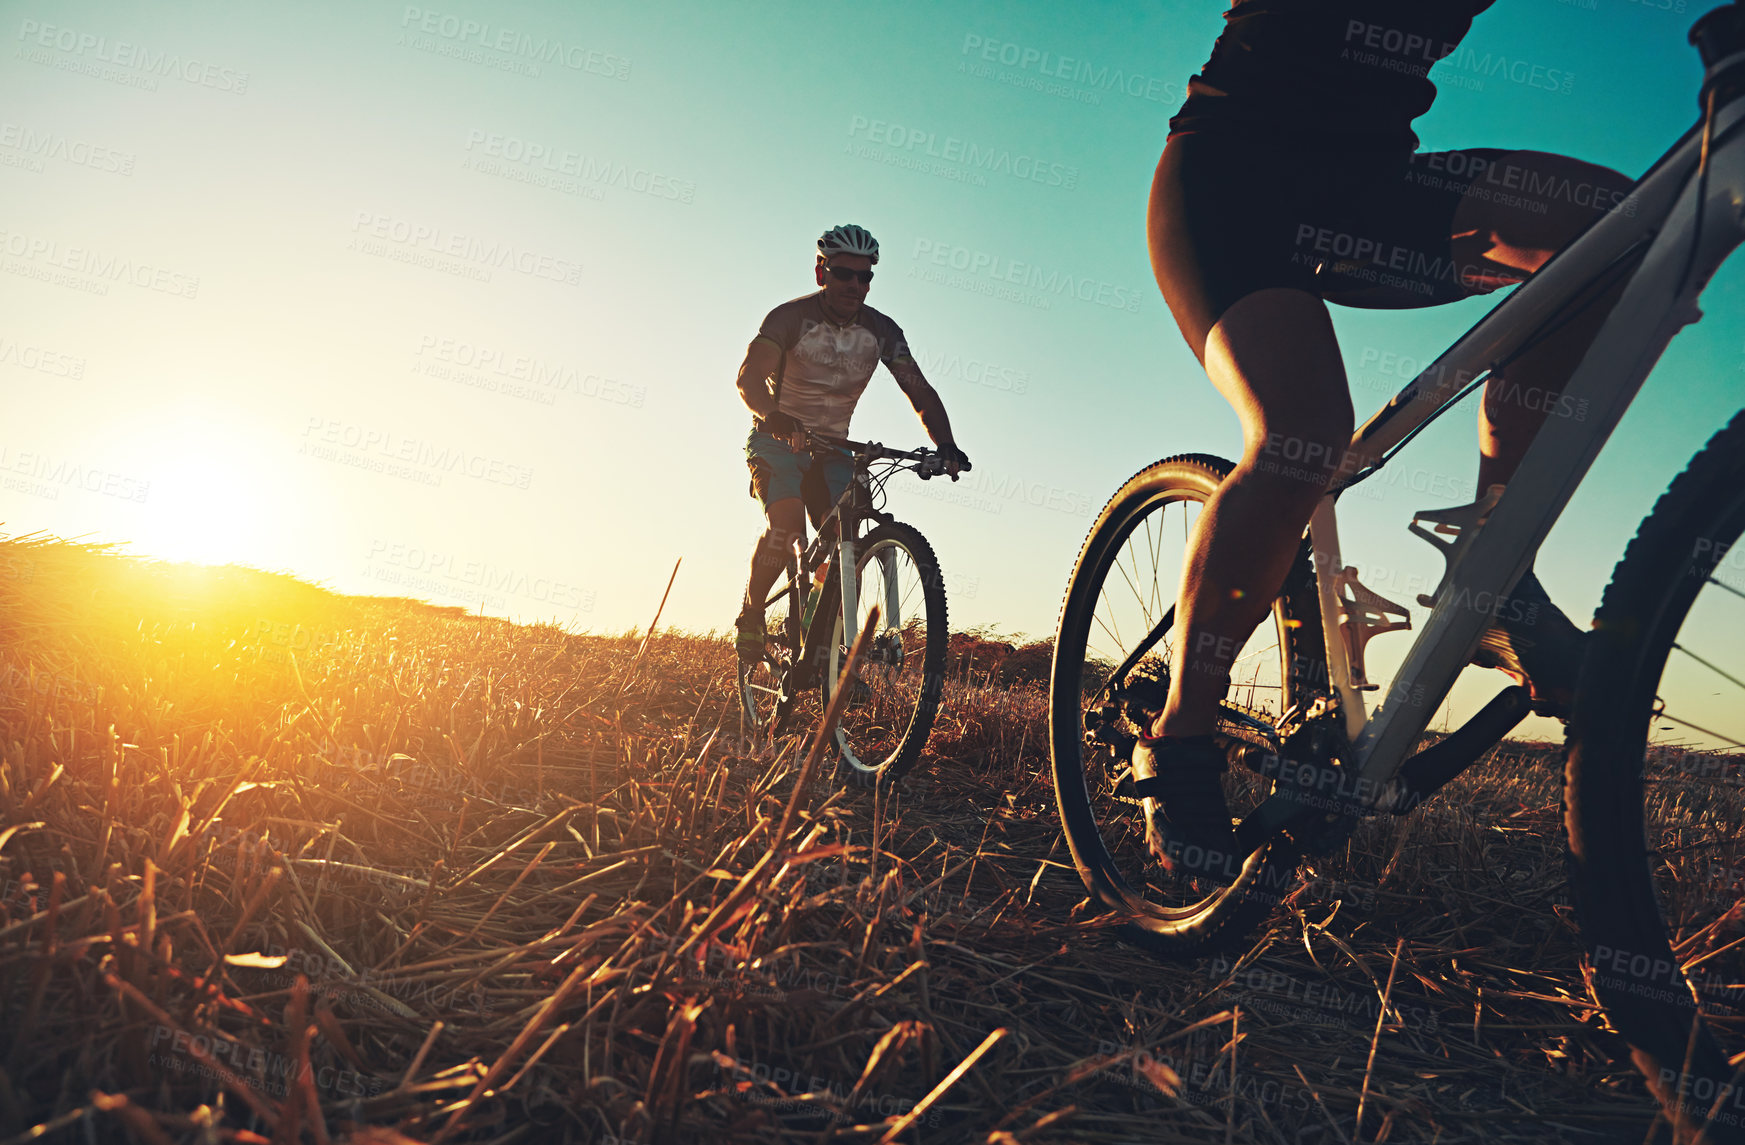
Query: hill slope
[[292, 865]]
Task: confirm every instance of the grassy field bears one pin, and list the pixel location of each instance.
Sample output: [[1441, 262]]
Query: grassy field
[[284, 866]]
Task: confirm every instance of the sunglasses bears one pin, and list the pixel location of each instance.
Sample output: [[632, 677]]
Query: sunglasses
[[845, 274]]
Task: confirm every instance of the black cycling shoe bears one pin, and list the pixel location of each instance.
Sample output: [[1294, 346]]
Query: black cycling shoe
[[1187, 821], [1533, 641]]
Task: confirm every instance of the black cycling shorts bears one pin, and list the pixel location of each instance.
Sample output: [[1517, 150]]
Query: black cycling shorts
[[1230, 217]]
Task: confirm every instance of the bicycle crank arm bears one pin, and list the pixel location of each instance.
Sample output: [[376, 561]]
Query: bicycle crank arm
[[1279, 812], [1423, 774]]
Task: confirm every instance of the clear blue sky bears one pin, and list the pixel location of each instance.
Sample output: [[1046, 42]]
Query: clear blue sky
[[264, 263]]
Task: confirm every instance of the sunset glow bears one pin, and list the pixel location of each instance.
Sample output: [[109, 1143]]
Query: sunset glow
[[387, 280]]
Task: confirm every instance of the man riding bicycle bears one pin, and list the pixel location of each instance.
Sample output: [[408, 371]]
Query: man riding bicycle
[[1291, 178], [802, 375]]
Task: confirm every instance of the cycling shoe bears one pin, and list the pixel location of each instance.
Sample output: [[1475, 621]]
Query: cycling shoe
[[1187, 821], [1534, 642]]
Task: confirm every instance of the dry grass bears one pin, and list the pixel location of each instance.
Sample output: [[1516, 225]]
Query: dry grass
[[285, 866]]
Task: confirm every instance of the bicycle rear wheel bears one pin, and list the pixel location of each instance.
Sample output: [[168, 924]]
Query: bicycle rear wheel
[[1654, 795], [1121, 599], [889, 717]]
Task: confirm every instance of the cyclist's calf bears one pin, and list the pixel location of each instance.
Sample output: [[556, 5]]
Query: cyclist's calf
[[775, 547], [787, 525]]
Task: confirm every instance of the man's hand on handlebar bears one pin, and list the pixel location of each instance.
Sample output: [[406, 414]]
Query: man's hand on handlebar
[[948, 460], [955, 460]]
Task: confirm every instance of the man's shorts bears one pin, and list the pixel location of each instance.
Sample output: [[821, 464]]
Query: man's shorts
[[779, 472], [1231, 216]]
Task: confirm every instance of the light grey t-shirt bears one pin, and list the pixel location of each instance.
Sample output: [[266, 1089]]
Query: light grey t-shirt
[[825, 366]]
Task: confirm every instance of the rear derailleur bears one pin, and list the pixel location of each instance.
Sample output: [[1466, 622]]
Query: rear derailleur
[[1114, 725]]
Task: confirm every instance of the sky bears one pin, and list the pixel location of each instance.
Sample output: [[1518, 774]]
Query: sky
[[448, 301]]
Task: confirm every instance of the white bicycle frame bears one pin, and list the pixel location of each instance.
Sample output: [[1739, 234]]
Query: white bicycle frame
[[1687, 241]]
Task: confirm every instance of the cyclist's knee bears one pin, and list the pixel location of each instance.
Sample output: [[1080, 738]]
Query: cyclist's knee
[[1308, 452], [1319, 433], [786, 515], [786, 524]]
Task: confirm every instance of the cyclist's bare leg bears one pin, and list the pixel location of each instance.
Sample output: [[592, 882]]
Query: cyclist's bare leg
[[786, 524], [1518, 400], [1517, 240], [1274, 356]]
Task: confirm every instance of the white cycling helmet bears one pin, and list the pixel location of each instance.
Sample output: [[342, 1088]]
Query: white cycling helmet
[[848, 239]]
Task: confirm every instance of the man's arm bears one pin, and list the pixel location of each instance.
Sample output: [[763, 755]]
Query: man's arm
[[928, 407], [761, 359]]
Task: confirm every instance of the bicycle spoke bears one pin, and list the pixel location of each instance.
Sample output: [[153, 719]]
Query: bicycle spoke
[[1131, 587], [1115, 632], [891, 689], [1728, 676], [1700, 728], [1113, 638], [1724, 585], [906, 601], [1136, 579], [1156, 591], [1152, 603]]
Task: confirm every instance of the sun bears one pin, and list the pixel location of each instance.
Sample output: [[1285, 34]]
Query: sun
[[211, 499]]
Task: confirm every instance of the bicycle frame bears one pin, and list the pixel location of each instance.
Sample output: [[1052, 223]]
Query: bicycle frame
[[1684, 239]]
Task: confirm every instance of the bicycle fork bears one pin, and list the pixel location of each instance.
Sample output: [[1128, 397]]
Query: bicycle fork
[[815, 649], [849, 578]]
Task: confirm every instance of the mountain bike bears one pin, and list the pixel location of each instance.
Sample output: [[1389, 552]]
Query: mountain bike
[[891, 706], [1653, 794]]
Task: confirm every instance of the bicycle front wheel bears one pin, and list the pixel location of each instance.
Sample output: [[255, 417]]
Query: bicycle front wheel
[[1119, 610], [890, 712], [1654, 794]]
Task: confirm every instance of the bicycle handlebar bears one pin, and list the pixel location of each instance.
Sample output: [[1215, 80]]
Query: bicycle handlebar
[[870, 449], [929, 462]]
